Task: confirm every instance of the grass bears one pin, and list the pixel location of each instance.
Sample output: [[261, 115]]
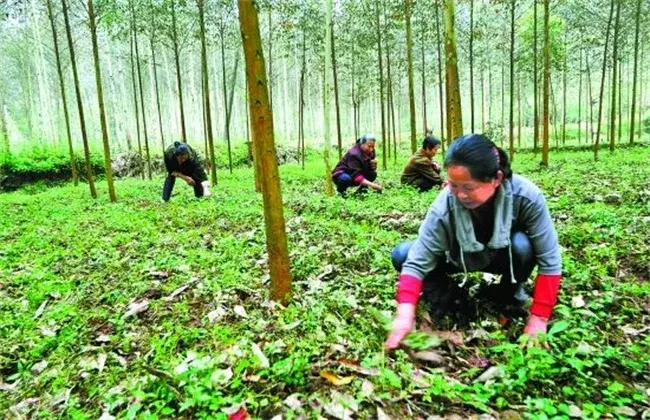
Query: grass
[[72, 267]]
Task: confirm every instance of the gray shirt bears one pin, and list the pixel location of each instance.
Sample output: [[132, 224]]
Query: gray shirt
[[447, 232]]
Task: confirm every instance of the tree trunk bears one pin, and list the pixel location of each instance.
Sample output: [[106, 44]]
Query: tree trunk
[[276, 239], [409, 59], [564, 71], [547, 76], [177, 61], [535, 88], [303, 69], [80, 108], [424, 87], [73, 166], [329, 188], [591, 101], [612, 114], [635, 73], [580, 98], [206, 87], [144, 117], [471, 63], [336, 94], [455, 115], [602, 81], [222, 29], [440, 90], [4, 133], [155, 78], [512, 79], [519, 111], [135, 102], [270, 57], [390, 109], [100, 99], [381, 90]]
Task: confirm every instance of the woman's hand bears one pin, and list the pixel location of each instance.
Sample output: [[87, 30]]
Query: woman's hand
[[536, 325], [189, 181], [402, 325]]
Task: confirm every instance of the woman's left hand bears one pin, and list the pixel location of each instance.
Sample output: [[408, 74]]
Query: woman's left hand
[[536, 325]]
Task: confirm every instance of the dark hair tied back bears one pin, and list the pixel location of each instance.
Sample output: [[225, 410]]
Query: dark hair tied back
[[480, 156]]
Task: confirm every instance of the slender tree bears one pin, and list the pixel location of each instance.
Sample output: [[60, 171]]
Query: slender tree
[[57, 56], [635, 72], [409, 60], [454, 114], [177, 62], [206, 83], [381, 89], [100, 99], [329, 188], [615, 63], [535, 87], [512, 79], [471, 62], [336, 93], [440, 90], [580, 97], [602, 80], [137, 64], [135, 101], [424, 85], [152, 42], [547, 82], [276, 238], [80, 108]]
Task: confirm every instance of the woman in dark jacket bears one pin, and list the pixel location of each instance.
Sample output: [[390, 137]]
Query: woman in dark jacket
[[181, 161], [358, 167]]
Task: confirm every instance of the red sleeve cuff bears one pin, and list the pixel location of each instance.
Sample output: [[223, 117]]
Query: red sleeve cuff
[[545, 294], [408, 289], [358, 179]]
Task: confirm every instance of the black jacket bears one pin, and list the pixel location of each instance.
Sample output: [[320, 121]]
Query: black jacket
[[193, 167]]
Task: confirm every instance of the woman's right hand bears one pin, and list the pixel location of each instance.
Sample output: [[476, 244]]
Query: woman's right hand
[[377, 187], [402, 325]]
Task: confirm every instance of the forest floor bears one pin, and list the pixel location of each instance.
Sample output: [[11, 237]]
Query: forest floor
[[144, 309]]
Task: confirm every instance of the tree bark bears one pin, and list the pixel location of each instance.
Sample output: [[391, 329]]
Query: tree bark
[[564, 71], [440, 89], [178, 71], [424, 86], [144, 117], [381, 90], [222, 29], [206, 85], [612, 114], [80, 108], [409, 59], [100, 99], [535, 88], [155, 77], [547, 76], [276, 239], [635, 73], [512, 79], [580, 98], [329, 188], [602, 81], [471, 62], [73, 166], [135, 102], [455, 115], [336, 94]]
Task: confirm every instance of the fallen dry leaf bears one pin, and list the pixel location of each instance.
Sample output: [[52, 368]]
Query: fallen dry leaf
[[333, 378], [429, 356], [136, 308], [40, 309], [239, 310], [355, 366]]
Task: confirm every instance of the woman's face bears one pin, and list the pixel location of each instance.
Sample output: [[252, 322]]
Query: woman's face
[[368, 147], [470, 192]]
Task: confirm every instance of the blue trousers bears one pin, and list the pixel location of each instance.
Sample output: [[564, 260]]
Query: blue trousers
[[345, 181], [441, 292], [168, 187]]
